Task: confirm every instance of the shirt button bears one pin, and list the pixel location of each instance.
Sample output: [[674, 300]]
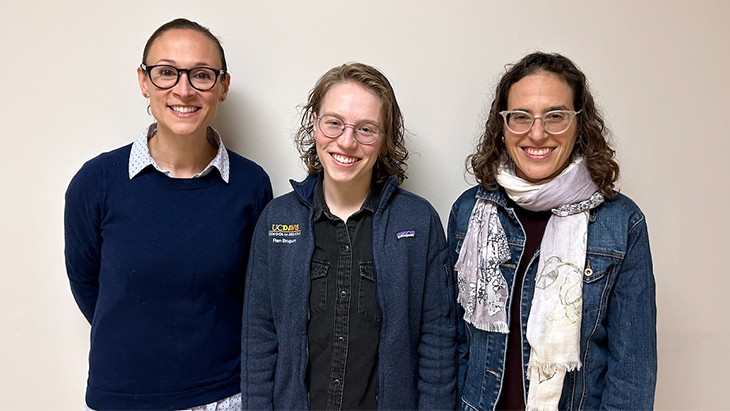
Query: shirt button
[[343, 294], [336, 383], [340, 340]]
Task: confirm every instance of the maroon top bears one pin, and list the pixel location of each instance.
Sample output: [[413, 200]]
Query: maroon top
[[513, 396]]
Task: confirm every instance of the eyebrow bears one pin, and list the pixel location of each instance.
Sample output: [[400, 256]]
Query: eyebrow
[[551, 108], [172, 63], [359, 122]]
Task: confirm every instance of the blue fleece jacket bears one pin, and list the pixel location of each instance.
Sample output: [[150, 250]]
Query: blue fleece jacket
[[414, 287], [156, 265]]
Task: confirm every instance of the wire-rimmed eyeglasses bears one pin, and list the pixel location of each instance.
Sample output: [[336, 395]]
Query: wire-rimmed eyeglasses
[[333, 127], [165, 77], [553, 122]]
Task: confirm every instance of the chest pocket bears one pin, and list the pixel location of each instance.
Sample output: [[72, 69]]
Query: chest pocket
[[598, 274], [318, 287], [367, 302]]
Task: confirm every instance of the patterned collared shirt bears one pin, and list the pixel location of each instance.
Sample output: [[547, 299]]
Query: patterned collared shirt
[[140, 157]]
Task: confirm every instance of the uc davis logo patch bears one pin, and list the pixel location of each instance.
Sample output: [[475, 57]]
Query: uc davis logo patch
[[284, 233]]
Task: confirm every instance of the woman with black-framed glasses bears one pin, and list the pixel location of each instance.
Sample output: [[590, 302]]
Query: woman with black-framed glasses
[[157, 239], [553, 266]]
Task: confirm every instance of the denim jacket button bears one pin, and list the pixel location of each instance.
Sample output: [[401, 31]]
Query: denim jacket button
[[336, 383], [343, 294]]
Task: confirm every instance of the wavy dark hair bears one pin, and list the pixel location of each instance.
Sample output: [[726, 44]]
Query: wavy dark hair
[[593, 135], [393, 153], [184, 24]]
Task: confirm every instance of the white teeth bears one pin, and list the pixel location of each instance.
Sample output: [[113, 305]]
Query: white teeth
[[538, 151], [343, 159], [183, 110]]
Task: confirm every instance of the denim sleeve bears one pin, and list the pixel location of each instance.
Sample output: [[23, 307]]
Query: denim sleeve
[[82, 235], [631, 329], [258, 339], [462, 351], [437, 347]]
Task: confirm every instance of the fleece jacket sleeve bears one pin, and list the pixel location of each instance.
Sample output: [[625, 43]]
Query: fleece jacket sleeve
[[437, 346]]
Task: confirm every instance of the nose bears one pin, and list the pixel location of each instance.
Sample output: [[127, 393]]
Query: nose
[[537, 131], [347, 139], [183, 87]]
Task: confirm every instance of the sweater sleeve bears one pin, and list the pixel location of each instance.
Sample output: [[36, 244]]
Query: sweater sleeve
[[259, 344], [437, 347], [82, 233], [267, 194]]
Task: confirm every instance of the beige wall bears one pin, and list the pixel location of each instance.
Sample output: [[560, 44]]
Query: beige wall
[[659, 69]]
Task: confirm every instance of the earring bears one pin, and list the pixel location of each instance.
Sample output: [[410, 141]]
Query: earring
[[146, 95]]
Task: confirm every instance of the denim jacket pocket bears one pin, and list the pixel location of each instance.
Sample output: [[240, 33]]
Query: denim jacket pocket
[[367, 302], [318, 288], [599, 266], [597, 277]]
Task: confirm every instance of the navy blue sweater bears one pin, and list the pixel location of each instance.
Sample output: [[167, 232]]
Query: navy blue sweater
[[414, 288], [157, 265]]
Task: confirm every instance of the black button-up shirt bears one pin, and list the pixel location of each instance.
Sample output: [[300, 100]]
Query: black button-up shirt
[[344, 323]]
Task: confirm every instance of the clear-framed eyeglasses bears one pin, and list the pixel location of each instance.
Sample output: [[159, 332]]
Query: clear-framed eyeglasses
[[165, 77], [333, 127], [553, 122]]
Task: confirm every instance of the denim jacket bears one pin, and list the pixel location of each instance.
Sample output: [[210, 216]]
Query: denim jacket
[[618, 329], [414, 289]]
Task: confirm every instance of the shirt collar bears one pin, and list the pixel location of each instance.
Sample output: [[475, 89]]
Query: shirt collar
[[140, 158], [320, 206]]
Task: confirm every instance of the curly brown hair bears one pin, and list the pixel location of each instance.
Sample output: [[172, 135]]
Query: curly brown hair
[[393, 153], [593, 135]]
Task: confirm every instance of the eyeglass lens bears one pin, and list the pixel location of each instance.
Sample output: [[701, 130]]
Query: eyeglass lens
[[333, 127], [555, 122], [201, 78]]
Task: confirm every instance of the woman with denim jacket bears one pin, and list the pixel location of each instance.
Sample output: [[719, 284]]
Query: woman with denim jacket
[[553, 265]]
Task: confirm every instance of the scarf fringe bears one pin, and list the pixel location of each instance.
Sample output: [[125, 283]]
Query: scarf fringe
[[463, 299], [552, 368], [484, 325], [497, 327]]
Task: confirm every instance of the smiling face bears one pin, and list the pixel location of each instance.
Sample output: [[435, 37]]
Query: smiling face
[[348, 165], [183, 110], [538, 155]]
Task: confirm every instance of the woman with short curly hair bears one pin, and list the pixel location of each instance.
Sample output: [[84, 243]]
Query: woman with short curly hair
[[349, 304]]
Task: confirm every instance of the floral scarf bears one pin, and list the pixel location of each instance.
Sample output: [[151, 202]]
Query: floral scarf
[[553, 326]]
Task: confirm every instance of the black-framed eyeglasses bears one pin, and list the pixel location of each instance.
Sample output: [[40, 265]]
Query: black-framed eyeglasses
[[165, 77], [554, 122], [333, 127]]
